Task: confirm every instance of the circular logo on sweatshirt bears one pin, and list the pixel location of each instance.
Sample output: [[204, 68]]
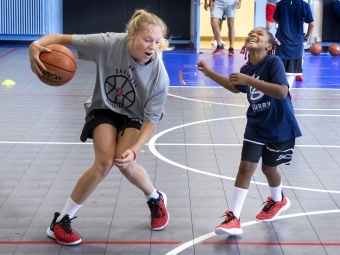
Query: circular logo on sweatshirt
[[119, 91]]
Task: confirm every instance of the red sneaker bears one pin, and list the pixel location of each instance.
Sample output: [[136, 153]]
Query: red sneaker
[[231, 52], [299, 78], [231, 225], [218, 50], [62, 231], [159, 214], [273, 209]]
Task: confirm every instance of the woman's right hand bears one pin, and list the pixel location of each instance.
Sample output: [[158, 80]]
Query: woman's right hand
[[34, 52]]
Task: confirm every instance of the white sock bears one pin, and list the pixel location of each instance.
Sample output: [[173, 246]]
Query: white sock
[[70, 208], [291, 79], [238, 199], [154, 194], [276, 193]]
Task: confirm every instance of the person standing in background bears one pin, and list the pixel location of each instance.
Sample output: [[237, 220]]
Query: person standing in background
[[218, 9], [305, 42], [290, 15], [336, 8], [213, 41]]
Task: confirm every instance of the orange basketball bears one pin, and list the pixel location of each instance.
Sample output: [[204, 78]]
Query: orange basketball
[[315, 48], [60, 65], [334, 49]]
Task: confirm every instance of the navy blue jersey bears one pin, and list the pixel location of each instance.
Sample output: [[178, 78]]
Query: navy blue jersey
[[269, 120], [336, 8], [290, 15]]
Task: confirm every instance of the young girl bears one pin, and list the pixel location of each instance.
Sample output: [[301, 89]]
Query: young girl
[[127, 64], [271, 126]]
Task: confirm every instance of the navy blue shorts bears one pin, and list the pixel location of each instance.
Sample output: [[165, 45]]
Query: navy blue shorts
[[101, 116], [273, 154], [293, 66]]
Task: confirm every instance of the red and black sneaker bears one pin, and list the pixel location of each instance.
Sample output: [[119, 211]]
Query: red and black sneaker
[[219, 49], [273, 209], [62, 231], [159, 214], [231, 225], [231, 51]]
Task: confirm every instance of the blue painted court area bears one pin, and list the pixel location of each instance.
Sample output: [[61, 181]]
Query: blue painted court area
[[322, 71]]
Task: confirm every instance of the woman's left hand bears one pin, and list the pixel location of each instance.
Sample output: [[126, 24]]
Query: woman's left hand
[[238, 79], [125, 160]]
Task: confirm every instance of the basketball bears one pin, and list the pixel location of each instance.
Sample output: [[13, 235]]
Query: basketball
[[334, 49], [60, 65], [315, 48]]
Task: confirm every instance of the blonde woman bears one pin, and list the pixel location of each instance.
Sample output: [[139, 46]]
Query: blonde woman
[[127, 102]]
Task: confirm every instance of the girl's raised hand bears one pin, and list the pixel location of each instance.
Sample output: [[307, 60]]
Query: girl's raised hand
[[203, 67]]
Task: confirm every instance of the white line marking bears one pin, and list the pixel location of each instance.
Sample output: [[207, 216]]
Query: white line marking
[[219, 87], [168, 144], [44, 143], [239, 145], [242, 105], [208, 102]]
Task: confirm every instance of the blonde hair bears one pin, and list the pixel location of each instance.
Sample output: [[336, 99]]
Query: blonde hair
[[141, 19]]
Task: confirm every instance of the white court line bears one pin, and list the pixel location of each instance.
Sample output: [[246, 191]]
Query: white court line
[[43, 143], [153, 149], [239, 145], [211, 234], [242, 105], [168, 144], [219, 87], [208, 102]]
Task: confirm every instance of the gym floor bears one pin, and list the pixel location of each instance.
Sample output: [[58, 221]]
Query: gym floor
[[193, 156]]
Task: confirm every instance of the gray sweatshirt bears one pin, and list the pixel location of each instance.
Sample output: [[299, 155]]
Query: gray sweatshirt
[[122, 85]]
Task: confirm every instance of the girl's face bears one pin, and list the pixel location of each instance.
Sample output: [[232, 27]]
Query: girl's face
[[257, 39], [144, 44]]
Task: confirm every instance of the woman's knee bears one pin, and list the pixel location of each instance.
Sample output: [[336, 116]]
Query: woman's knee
[[104, 166]]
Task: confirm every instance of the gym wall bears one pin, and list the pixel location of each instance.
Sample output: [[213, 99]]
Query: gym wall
[[99, 16]]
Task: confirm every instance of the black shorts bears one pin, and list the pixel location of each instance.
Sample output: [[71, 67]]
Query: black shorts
[[293, 66], [101, 116], [273, 154]]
